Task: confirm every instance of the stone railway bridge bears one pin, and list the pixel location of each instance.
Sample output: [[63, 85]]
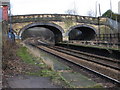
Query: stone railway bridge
[[64, 26]]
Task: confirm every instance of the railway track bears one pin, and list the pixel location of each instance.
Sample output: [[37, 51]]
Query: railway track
[[108, 62], [93, 63]]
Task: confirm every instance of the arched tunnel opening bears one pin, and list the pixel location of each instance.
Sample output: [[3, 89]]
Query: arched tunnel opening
[[46, 33], [82, 33]]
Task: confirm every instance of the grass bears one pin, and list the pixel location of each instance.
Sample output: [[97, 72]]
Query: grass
[[96, 86], [55, 77], [24, 55]]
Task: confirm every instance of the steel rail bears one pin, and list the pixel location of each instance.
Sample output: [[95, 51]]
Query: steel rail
[[84, 67]]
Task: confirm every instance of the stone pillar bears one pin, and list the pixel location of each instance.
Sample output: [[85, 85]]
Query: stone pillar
[[119, 7]]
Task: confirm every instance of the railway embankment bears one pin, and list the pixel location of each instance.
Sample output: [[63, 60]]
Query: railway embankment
[[23, 70]]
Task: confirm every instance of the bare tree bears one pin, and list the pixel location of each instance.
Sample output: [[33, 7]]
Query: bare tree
[[71, 11], [91, 13]]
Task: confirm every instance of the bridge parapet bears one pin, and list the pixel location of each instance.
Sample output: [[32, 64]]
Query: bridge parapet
[[58, 17]]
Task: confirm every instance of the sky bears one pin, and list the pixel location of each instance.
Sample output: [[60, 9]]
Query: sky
[[82, 7]]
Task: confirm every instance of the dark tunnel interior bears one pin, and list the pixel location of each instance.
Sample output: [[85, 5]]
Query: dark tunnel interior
[[44, 32], [82, 33]]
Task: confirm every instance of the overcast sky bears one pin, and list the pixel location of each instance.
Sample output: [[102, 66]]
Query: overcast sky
[[20, 7]]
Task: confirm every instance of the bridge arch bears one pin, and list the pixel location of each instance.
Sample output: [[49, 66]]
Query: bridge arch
[[81, 32], [56, 29]]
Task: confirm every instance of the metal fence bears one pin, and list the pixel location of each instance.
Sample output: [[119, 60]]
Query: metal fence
[[102, 40], [113, 38], [108, 40]]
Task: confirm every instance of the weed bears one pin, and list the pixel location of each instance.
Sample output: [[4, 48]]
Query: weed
[[96, 86], [49, 64]]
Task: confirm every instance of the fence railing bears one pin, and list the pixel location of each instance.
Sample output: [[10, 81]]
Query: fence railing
[[109, 37], [104, 40]]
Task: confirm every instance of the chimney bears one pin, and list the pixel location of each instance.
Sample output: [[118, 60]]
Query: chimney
[[4, 8]]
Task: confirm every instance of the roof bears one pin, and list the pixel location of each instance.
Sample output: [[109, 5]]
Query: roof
[[4, 2]]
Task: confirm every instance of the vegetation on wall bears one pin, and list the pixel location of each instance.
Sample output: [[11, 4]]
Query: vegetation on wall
[[68, 23]]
